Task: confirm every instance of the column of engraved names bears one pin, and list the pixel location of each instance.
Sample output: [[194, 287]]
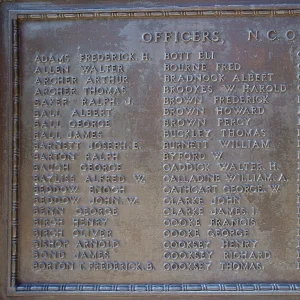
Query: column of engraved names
[[105, 92], [239, 113], [187, 177], [100, 168], [54, 181]]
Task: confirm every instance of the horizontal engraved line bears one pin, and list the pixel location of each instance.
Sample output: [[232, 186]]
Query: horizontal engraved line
[[69, 16], [158, 288], [229, 12], [52, 16], [162, 13], [265, 12], [87, 15], [283, 12], [37, 16]]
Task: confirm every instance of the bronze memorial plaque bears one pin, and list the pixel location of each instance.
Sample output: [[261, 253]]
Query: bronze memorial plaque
[[150, 149]]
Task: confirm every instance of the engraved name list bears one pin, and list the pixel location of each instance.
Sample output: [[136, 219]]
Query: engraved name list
[[159, 151]]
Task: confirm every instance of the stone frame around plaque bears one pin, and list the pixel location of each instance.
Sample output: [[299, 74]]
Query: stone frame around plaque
[[14, 288]]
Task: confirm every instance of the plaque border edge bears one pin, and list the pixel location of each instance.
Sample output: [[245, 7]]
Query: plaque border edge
[[13, 288]]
